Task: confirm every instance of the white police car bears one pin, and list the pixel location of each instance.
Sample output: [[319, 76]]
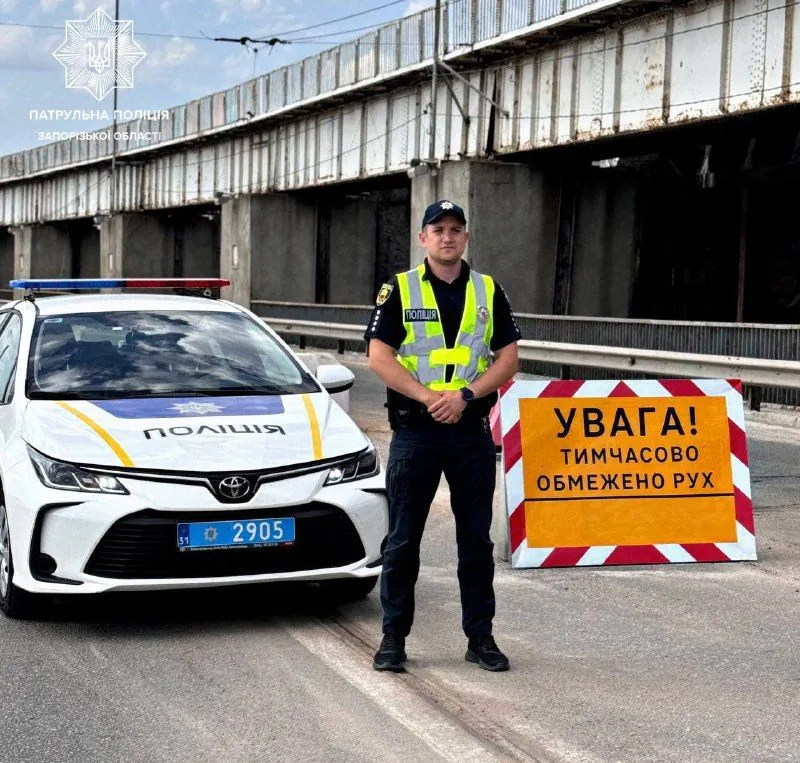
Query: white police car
[[157, 441]]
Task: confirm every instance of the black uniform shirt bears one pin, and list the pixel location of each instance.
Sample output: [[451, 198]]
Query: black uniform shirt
[[386, 322]]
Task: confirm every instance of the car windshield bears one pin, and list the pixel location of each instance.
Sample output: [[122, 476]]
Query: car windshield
[[129, 354]]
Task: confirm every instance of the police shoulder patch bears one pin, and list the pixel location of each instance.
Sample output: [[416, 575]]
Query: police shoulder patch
[[384, 293]]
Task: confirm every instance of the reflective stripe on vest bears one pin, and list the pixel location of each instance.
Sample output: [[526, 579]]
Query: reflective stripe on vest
[[424, 352]]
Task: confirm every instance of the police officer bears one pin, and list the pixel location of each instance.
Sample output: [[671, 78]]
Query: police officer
[[430, 337]]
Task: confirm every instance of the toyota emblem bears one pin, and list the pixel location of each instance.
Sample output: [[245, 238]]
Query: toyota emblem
[[234, 487]]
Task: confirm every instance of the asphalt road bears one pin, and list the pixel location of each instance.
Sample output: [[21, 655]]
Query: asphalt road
[[683, 663]]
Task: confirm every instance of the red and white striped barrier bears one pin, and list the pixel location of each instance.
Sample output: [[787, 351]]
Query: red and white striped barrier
[[523, 546]]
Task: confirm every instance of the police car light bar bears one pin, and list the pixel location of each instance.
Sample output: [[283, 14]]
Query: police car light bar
[[119, 283]]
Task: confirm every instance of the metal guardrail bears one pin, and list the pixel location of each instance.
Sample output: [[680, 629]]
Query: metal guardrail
[[741, 340], [389, 49], [760, 372], [753, 371], [341, 332]]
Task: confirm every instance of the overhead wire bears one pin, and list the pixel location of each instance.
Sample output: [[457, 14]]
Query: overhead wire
[[206, 38], [558, 117], [316, 39], [569, 56], [336, 21], [138, 34]]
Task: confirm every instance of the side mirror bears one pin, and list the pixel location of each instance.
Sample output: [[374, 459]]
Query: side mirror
[[335, 378]]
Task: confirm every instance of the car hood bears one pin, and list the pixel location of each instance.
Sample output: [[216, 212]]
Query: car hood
[[195, 434]]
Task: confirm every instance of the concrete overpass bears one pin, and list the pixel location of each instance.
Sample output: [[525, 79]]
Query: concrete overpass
[[296, 184]]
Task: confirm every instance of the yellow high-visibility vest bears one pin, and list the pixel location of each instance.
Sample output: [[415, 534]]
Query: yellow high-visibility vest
[[424, 352]]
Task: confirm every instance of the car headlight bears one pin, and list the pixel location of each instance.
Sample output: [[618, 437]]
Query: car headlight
[[64, 476], [365, 465]]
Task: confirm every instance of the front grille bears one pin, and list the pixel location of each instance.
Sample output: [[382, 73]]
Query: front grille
[[144, 545]]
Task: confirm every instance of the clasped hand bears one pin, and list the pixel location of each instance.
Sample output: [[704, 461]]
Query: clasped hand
[[446, 407]]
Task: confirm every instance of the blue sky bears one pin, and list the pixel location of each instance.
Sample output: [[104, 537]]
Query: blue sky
[[176, 69]]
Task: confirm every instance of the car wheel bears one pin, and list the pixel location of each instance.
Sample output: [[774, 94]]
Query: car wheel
[[14, 602], [348, 589]]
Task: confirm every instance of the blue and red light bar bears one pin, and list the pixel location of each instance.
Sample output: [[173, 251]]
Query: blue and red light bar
[[119, 283]]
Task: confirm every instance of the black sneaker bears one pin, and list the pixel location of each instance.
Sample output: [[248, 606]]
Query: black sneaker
[[391, 654], [484, 651]]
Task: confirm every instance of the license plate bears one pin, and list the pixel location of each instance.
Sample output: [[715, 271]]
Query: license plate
[[233, 534]]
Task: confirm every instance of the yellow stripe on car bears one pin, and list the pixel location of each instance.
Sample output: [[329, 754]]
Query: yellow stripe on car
[[102, 433], [316, 437]]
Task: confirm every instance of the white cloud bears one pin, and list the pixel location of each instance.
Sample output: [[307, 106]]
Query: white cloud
[[15, 43], [415, 6], [238, 67], [224, 6], [21, 49], [49, 5], [166, 7], [6, 6], [86, 7], [174, 53], [163, 63], [266, 9]]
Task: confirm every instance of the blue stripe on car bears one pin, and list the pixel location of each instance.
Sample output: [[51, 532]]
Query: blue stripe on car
[[185, 407]]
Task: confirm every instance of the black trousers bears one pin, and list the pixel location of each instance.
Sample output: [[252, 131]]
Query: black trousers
[[465, 454]]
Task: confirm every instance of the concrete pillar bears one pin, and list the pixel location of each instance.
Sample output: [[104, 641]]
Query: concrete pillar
[[394, 245], [352, 242], [41, 251], [197, 246], [512, 215], [235, 250], [604, 258], [136, 245], [86, 250], [6, 263], [268, 248]]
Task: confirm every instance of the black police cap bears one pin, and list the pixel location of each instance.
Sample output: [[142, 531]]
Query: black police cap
[[443, 208]]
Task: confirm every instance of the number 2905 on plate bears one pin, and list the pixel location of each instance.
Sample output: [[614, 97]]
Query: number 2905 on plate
[[194, 536]]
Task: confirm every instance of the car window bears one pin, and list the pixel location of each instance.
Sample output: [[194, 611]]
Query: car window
[[9, 350], [163, 353]]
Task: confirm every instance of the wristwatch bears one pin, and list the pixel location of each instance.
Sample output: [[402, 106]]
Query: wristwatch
[[467, 395]]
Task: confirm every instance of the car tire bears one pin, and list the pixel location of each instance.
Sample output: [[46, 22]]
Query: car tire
[[14, 601], [348, 589]]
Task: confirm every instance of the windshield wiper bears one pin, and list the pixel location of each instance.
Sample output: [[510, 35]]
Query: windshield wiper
[[38, 394], [262, 389]]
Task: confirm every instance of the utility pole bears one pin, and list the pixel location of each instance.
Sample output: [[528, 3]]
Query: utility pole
[[437, 26], [112, 201], [114, 125]]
